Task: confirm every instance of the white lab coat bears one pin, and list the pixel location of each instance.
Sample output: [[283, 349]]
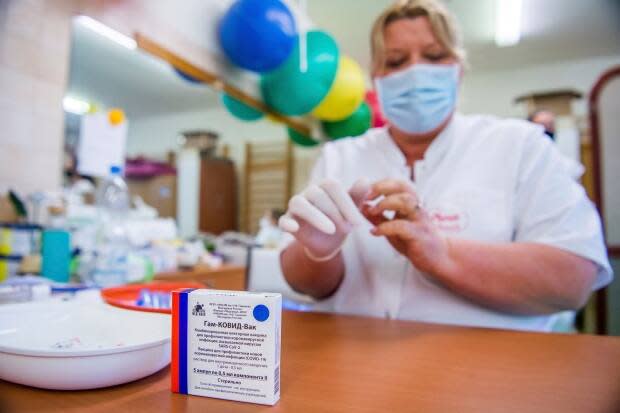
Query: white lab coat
[[483, 179]]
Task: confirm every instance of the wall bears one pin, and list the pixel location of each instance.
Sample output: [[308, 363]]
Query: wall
[[34, 56], [34, 63], [155, 136], [158, 134], [494, 91]]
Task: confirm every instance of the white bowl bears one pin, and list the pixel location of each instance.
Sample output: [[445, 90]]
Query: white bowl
[[80, 344]]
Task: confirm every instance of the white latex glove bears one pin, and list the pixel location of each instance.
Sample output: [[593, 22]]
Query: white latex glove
[[322, 216]]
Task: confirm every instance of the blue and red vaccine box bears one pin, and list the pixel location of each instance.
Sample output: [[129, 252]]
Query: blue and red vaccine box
[[226, 344]]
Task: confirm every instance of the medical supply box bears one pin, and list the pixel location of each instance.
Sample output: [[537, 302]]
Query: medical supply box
[[226, 344]]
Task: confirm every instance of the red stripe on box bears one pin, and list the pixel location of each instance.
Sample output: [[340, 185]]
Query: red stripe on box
[[174, 368]]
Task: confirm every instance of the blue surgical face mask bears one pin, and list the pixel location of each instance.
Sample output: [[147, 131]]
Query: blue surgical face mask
[[418, 99]]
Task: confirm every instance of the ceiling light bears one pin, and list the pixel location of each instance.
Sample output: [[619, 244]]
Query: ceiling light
[[105, 31], [73, 105], [508, 22]]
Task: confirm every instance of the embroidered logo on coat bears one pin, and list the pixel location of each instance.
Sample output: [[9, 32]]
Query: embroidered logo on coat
[[449, 218]]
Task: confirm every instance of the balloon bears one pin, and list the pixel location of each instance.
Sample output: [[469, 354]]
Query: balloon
[[346, 94], [116, 116], [258, 35], [186, 77], [300, 139], [239, 109], [354, 125], [375, 108], [293, 92]]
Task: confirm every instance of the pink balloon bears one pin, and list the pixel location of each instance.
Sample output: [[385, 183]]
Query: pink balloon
[[373, 102]]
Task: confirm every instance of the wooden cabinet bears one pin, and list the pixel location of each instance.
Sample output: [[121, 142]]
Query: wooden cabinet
[[218, 195]]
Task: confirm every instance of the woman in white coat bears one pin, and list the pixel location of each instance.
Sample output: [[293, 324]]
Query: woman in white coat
[[441, 217]]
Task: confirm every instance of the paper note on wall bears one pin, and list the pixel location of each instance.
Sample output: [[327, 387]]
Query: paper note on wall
[[101, 145]]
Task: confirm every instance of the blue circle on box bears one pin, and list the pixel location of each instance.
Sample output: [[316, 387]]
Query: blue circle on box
[[261, 312]]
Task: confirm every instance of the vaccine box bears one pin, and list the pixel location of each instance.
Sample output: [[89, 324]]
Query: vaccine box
[[226, 344]]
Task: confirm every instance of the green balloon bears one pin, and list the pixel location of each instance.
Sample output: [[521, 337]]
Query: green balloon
[[239, 109], [354, 125], [300, 139], [292, 92]]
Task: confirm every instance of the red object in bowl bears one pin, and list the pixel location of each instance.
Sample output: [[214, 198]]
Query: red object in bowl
[[126, 296]]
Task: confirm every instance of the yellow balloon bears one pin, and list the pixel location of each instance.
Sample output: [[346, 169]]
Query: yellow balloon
[[116, 116], [346, 94]]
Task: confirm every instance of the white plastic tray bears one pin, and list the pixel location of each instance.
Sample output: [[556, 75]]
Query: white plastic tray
[[80, 344]]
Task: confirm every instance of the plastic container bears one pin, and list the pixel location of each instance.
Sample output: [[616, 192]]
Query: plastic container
[[113, 195], [112, 263], [19, 238], [14, 293], [56, 254]]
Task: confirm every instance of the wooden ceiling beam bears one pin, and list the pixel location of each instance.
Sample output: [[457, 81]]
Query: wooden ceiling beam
[[215, 81]]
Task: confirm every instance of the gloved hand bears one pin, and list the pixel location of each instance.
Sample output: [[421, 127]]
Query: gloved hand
[[321, 217]]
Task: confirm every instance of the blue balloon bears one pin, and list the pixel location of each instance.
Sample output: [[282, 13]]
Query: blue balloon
[[258, 35], [186, 77]]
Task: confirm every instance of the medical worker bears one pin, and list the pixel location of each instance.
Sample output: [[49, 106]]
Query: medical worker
[[441, 217]]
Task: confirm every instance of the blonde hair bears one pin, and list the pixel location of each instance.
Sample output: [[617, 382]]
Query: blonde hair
[[443, 25]]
